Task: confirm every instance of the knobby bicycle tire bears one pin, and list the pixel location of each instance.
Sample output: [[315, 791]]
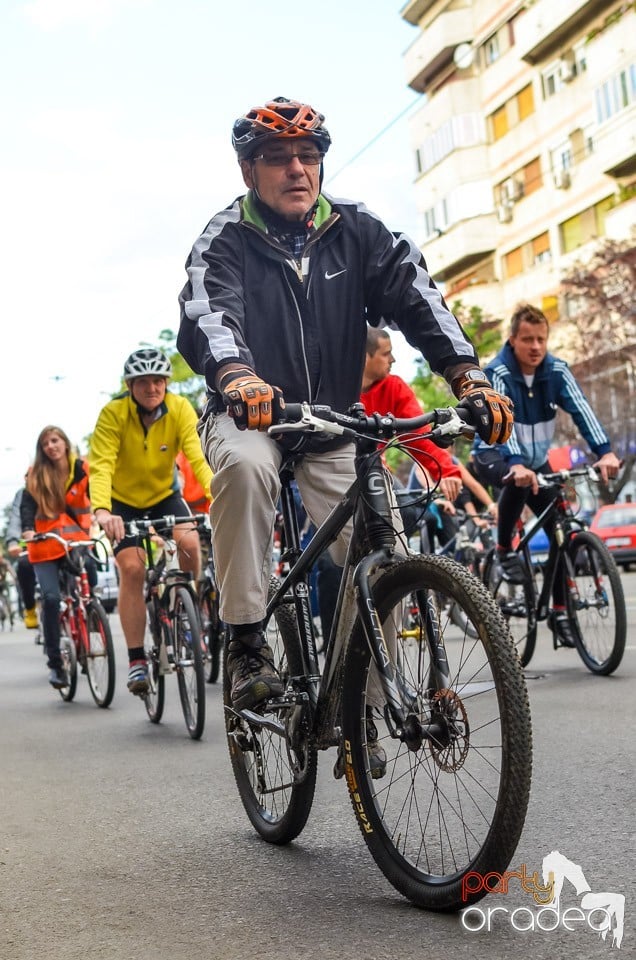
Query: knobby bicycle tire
[[155, 698], [598, 615], [69, 662], [100, 655], [188, 654], [447, 806], [275, 774], [518, 604], [6, 610]]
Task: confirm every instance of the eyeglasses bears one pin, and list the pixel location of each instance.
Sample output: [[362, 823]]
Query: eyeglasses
[[308, 158]]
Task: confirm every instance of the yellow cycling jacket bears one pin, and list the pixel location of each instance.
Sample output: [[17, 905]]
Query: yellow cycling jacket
[[137, 466]]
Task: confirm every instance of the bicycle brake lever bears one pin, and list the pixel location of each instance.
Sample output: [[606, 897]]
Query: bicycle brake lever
[[451, 425], [307, 424]]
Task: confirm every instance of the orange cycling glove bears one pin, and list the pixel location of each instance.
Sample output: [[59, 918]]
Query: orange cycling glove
[[492, 412], [252, 403]]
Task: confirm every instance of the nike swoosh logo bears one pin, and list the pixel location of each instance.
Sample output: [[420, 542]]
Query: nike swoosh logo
[[330, 276]]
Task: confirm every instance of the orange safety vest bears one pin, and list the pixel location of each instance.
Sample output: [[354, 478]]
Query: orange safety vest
[[72, 525], [193, 493]]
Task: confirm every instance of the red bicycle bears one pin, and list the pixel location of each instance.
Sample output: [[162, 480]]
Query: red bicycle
[[85, 634]]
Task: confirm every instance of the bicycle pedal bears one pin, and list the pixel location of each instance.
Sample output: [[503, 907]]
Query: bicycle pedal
[[338, 767]]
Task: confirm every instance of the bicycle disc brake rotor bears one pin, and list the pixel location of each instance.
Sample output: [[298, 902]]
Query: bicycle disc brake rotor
[[450, 751]]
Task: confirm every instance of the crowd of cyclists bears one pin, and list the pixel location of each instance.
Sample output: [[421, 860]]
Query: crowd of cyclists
[[288, 297]]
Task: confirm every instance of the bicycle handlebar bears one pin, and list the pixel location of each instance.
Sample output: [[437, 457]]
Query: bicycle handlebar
[[90, 545], [559, 477], [142, 527], [448, 423]]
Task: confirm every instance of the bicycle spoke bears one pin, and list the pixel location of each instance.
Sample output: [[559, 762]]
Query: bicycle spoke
[[452, 800]]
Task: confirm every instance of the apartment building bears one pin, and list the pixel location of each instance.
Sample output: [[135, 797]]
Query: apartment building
[[525, 142]]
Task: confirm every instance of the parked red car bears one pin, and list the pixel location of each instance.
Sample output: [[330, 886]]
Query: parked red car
[[615, 524]]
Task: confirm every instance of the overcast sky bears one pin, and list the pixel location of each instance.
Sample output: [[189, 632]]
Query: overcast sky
[[116, 151]]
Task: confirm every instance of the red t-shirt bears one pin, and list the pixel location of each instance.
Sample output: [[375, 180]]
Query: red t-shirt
[[393, 395]]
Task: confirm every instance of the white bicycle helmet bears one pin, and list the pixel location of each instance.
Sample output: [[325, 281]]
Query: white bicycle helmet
[[147, 362]]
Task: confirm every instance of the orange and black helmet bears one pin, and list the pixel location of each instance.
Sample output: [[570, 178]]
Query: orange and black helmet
[[278, 118]]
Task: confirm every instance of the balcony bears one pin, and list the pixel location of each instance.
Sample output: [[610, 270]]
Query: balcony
[[462, 96], [461, 246], [433, 49], [547, 25], [615, 144], [413, 11]]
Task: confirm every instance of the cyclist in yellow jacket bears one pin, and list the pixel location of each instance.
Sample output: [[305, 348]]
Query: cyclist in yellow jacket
[[133, 450]]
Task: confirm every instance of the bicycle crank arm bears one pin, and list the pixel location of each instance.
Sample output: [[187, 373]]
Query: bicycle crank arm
[[257, 720]]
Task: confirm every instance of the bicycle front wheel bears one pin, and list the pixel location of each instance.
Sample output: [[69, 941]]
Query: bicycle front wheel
[[212, 628], [517, 603], [275, 765], [69, 664], [188, 656], [154, 699], [598, 610], [446, 795], [100, 655]]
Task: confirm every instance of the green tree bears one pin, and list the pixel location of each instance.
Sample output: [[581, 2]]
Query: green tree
[[184, 380]]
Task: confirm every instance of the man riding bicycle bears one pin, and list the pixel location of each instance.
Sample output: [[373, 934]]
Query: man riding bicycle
[[280, 287], [133, 475], [537, 382]]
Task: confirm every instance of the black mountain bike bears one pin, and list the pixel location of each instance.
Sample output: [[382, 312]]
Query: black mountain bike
[[450, 710], [595, 602], [173, 641]]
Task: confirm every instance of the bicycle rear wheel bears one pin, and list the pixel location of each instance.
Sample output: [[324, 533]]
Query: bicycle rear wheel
[[100, 656], [275, 767], [598, 614], [452, 800], [154, 700], [69, 664], [188, 656], [517, 603]]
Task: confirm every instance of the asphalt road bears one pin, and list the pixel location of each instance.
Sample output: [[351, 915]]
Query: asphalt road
[[122, 840]]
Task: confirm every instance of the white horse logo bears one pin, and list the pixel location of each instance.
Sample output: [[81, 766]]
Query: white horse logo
[[557, 868]]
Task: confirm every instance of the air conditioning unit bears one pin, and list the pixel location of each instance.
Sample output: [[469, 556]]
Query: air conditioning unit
[[504, 212], [562, 179], [511, 190]]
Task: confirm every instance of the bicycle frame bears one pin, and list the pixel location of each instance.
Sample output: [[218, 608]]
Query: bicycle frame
[[565, 524], [368, 502], [76, 594]]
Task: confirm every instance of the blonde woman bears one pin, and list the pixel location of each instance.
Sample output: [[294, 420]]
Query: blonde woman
[[55, 500]]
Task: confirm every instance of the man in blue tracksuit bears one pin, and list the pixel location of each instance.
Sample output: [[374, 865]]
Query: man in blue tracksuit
[[538, 383]]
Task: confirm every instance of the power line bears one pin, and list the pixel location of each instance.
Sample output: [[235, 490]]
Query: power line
[[375, 138]]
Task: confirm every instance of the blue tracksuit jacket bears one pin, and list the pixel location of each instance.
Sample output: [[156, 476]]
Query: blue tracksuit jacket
[[536, 406]]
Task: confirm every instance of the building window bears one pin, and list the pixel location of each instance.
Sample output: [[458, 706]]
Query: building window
[[561, 156], [615, 94], [587, 225], [500, 123], [512, 112], [513, 262], [532, 178], [541, 252], [525, 102], [491, 50]]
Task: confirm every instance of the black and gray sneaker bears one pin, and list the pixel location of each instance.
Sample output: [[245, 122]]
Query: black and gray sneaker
[[376, 753], [513, 569], [250, 667], [561, 628]]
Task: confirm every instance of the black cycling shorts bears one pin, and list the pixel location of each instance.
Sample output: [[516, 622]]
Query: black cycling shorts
[[172, 506]]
